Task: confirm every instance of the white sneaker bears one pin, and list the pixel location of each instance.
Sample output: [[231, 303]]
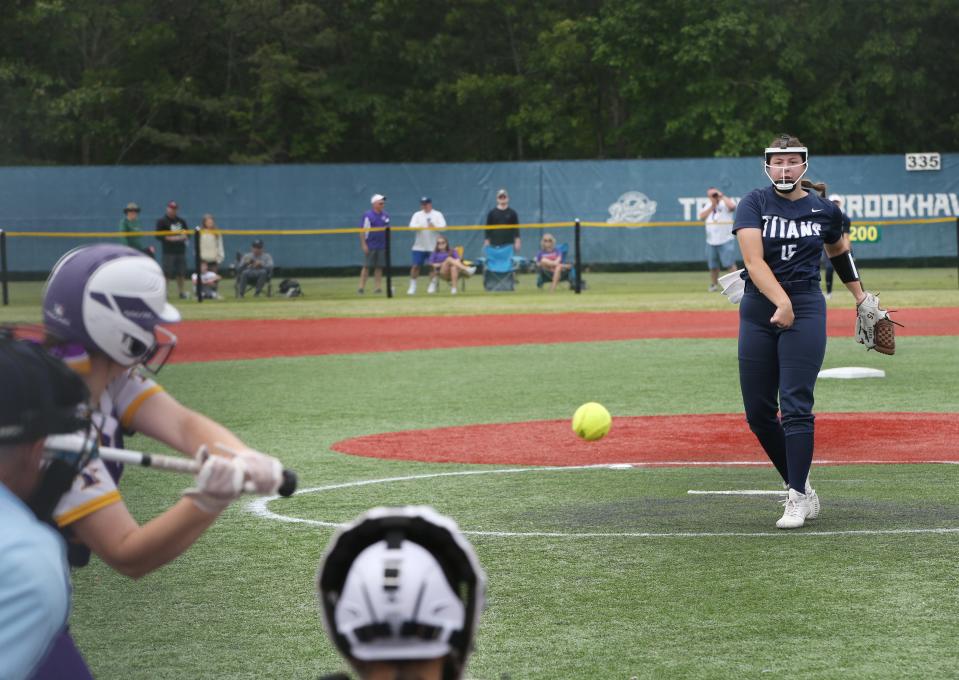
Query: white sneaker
[[452, 291], [712, 288], [796, 511], [432, 287], [412, 288], [813, 498], [471, 270]]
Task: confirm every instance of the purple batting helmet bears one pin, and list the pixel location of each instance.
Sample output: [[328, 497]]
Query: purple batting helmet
[[110, 298]]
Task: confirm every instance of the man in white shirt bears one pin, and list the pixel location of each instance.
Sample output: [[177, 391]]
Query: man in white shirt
[[427, 221], [720, 242]]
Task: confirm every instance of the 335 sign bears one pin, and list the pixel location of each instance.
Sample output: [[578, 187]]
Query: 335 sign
[[923, 161]]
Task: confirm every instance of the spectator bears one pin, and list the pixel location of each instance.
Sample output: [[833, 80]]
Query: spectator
[[130, 224], [427, 221], [209, 281], [550, 261], [446, 265], [401, 592], [720, 242], [502, 214], [40, 396], [211, 244], [374, 243], [174, 246], [256, 267]]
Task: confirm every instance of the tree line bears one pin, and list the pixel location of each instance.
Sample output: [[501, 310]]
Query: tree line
[[287, 81]]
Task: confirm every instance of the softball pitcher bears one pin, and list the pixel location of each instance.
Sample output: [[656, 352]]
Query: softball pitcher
[[782, 229]]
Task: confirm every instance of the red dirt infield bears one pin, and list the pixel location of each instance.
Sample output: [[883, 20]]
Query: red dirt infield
[[266, 338], [669, 440]]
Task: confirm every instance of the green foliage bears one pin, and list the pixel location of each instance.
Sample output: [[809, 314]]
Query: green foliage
[[274, 81]]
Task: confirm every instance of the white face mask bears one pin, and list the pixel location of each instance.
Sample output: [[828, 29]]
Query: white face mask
[[777, 173]]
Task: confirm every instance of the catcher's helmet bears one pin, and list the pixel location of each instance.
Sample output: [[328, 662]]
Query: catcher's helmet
[[111, 298], [40, 395], [401, 584], [790, 145]]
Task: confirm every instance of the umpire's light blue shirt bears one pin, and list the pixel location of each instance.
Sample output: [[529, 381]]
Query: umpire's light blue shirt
[[34, 587]]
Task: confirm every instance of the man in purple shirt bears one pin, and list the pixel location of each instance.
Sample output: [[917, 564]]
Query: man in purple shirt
[[374, 242]]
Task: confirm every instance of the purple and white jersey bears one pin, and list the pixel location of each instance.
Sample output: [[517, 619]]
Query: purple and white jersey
[[96, 485]]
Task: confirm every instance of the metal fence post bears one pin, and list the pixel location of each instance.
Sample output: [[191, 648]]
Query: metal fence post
[[196, 264], [389, 275], [3, 267], [577, 260]]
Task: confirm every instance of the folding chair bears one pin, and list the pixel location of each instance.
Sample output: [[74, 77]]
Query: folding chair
[[498, 272]]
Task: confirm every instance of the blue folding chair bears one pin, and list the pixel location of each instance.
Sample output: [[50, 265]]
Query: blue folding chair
[[498, 271]]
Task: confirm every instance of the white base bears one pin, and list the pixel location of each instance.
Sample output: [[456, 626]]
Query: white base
[[852, 372]]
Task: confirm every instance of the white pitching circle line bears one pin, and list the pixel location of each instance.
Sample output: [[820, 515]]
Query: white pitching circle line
[[259, 507], [737, 492]]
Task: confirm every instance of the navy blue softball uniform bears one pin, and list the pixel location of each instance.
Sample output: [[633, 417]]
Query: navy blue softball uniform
[[778, 367]]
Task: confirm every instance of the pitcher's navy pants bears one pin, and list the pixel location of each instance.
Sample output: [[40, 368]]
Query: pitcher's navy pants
[[777, 372]]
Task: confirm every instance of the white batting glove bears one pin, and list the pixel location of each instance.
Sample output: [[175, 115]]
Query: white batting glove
[[218, 483], [265, 472]]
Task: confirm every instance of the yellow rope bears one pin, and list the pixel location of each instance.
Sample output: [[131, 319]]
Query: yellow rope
[[469, 227]]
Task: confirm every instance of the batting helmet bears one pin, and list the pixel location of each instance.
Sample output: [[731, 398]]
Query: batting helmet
[[400, 584], [111, 298]]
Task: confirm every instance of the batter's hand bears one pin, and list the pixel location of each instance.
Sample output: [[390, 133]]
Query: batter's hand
[[218, 483], [266, 472], [784, 316]]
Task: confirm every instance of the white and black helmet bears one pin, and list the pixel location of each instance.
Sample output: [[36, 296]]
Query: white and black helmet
[[110, 298], [400, 584], [785, 144]]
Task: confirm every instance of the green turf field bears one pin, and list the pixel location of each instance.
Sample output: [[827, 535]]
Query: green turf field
[[869, 590], [605, 292]]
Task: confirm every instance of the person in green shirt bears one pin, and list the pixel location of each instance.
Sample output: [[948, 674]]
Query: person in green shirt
[[130, 224]]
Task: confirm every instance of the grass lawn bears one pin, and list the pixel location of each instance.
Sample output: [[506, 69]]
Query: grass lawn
[[632, 291], [742, 601]]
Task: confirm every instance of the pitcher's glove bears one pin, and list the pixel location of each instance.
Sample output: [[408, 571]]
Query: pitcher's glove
[[874, 328]]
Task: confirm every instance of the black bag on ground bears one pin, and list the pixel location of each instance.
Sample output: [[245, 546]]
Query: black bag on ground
[[290, 288]]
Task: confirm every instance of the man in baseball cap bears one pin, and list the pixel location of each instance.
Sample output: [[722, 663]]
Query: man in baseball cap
[[373, 242], [174, 246], [131, 225], [256, 267], [427, 221], [502, 214]]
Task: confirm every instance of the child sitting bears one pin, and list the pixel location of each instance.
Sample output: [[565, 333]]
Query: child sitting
[[208, 281]]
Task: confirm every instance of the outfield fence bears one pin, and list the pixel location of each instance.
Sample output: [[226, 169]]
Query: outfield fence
[[862, 232]]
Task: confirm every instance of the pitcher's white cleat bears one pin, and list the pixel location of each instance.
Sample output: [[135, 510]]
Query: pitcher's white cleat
[[796, 510], [813, 499]]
